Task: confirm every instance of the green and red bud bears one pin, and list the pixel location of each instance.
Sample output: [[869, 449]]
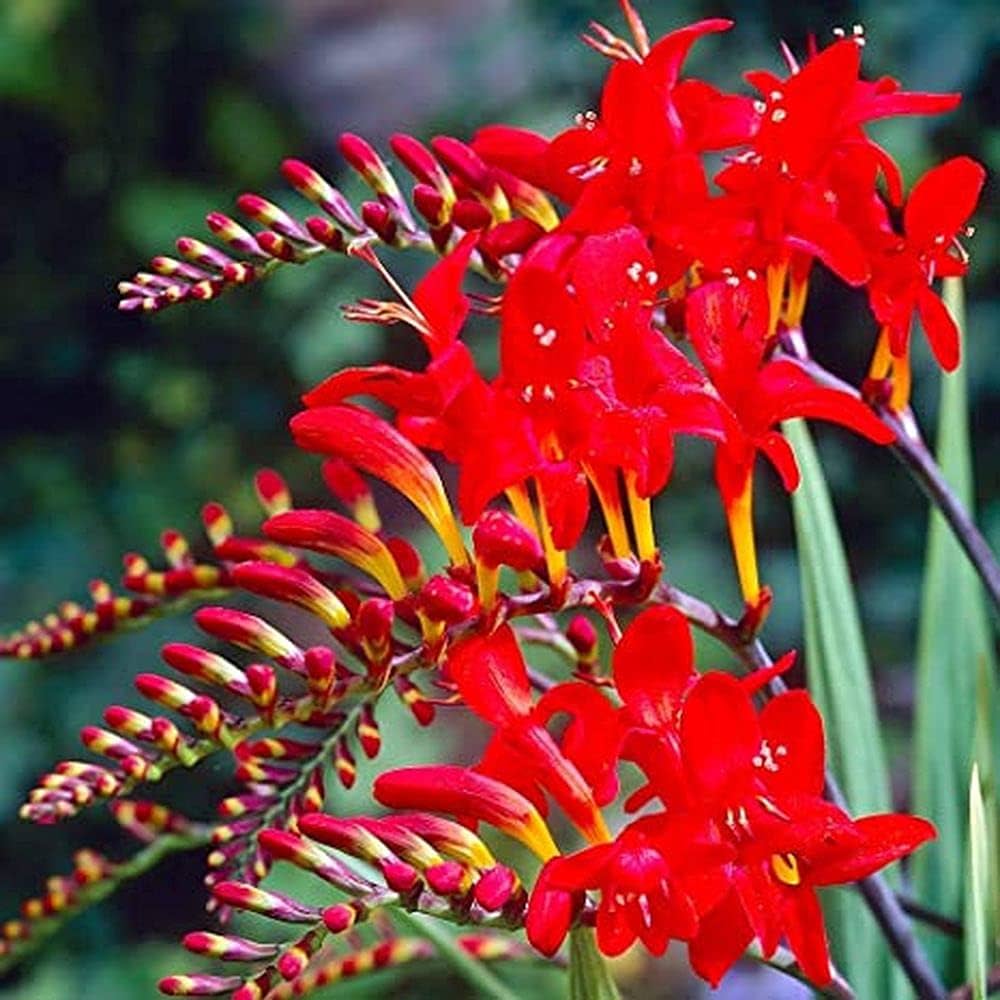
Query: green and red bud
[[332, 534], [294, 586], [239, 628], [463, 792], [211, 668], [228, 947], [276, 905], [198, 985], [310, 184]]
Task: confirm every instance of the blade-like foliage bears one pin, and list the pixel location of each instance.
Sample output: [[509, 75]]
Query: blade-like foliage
[[840, 681], [953, 646]]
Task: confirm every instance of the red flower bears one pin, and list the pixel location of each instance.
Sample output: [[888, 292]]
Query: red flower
[[762, 785], [936, 212], [492, 678], [728, 327], [792, 195], [656, 879]]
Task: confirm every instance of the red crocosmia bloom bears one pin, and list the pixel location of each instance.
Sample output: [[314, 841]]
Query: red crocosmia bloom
[[655, 879], [762, 785], [637, 159], [491, 676], [600, 388], [437, 312], [935, 215], [787, 200], [728, 327]]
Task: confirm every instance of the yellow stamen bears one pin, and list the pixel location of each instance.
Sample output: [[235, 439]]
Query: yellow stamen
[[786, 869], [520, 503], [487, 581], [555, 559], [776, 274], [608, 496], [798, 292], [740, 516], [882, 358], [642, 520], [901, 379]]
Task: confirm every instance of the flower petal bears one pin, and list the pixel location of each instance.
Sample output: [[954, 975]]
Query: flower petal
[[717, 704], [888, 837], [654, 666], [491, 677], [793, 729]]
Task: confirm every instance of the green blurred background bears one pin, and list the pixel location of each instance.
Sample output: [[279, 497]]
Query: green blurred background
[[125, 122]]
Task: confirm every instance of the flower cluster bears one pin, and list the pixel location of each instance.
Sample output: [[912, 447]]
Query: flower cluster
[[741, 836], [655, 302]]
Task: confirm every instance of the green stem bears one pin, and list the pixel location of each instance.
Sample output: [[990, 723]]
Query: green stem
[[89, 895], [589, 976], [472, 971]]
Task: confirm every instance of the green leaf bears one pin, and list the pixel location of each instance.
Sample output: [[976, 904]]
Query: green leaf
[[589, 977], [978, 904], [840, 681], [953, 648]]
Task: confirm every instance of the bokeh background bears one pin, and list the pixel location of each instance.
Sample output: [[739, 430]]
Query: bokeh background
[[125, 121]]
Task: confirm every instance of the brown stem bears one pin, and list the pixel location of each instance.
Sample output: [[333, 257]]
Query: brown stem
[[967, 992], [916, 457]]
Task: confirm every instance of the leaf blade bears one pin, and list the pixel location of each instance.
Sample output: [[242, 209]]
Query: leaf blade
[[840, 681]]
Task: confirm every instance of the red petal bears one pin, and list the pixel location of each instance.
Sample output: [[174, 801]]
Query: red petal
[[491, 677], [614, 931], [615, 280], [654, 665], [727, 327], [888, 837], [803, 921], [564, 492], [666, 57], [792, 722], [592, 739], [779, 453], [789, 392], [439, 295], [723, 935], [833, 243], [940, 327], [550, 912], [718, 704], [582, 870], [942, 200]]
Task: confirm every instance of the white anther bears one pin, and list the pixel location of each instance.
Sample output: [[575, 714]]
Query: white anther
[[732, 281], [751, 274], [635, 167], [779, 115], [652, 277], [760, 107], [634, 271], [775, 95], [839, 33], [527, 393], [548, 393], [548, 338]]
